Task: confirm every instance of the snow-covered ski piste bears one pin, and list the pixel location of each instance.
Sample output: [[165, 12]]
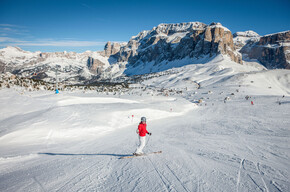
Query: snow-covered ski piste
[[212, 139]]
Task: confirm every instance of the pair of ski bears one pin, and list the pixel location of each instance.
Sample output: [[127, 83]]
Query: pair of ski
[[145, 154]]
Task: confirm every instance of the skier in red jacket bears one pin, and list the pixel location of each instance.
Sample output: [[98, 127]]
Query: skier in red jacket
[[142, 131]]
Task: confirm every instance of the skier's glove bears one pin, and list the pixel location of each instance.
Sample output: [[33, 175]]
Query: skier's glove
[[150, 134]]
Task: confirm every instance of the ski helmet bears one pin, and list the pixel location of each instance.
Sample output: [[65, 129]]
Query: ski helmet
[[143, 119]]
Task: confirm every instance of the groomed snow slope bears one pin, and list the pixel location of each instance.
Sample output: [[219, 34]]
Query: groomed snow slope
[[73, 141]]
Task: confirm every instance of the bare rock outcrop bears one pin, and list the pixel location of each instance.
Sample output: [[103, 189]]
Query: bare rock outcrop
[[273, 51], [95, 65], [112, 48]]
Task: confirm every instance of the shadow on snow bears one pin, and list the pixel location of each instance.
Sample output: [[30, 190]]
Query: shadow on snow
[[86, 154]]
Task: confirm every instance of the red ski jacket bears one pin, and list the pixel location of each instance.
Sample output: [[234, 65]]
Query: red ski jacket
[[142, 129]]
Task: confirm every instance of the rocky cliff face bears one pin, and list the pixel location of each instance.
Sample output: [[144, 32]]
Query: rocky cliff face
[[112, 48], [95, 65], [170, 42], [273, 51]]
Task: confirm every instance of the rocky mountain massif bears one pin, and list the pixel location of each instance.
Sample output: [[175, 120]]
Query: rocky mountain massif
[[70, 66], [163, 47], [273, 51], [151, 51]]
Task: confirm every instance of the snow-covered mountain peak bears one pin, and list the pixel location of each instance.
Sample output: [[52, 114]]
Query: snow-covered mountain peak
[[11, 54], [140, 35], [114, 43], [218, 25], [248, 33], [171, 31], [167, 29], [12, 51], [179, 27], [241, 38], [11, 48]]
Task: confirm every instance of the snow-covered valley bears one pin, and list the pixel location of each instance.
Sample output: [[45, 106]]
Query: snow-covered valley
[[212, 137]]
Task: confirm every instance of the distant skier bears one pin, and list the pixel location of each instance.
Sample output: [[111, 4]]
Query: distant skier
[[141, 131]]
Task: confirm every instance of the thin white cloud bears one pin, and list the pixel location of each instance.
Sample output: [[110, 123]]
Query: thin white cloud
[[63, 43], [6, 41], [9, 40], [6, 29], [14, 35], [10, 25], [13, 30]]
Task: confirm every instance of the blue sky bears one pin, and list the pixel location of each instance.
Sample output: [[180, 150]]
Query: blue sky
[[80, 25]]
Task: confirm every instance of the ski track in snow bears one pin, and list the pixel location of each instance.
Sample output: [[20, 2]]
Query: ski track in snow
[[42, 188], [261, 175], [162, 178], [181, 183], [239, 174]]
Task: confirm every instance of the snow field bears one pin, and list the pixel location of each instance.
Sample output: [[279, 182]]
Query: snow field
[[73, 141], [57, 118], [223, 147]]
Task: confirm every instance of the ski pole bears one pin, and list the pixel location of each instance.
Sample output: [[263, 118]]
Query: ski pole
[[148, 141]]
